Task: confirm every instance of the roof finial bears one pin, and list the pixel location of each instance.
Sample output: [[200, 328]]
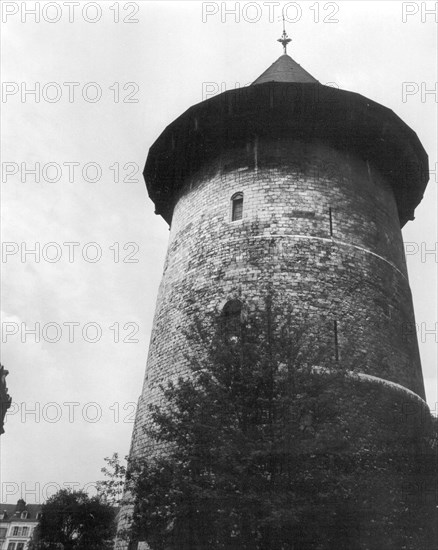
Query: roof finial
[[284, 38]]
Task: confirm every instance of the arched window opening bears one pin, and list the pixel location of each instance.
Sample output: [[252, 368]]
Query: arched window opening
[[232, 317], [237, 207]]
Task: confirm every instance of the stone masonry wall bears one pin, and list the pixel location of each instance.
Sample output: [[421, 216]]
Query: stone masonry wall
[[351, 268]]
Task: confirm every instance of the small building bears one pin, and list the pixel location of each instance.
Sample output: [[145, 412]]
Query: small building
[[17, 524]]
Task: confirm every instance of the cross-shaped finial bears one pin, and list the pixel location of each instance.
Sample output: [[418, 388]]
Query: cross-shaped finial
[[284, 39]]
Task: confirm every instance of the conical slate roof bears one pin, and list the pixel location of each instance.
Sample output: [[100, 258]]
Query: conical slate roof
[[285, 69], [289, 103]]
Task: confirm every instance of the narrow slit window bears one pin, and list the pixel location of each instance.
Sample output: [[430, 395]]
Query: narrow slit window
[[331, 221], [237, 207], [336, 341]]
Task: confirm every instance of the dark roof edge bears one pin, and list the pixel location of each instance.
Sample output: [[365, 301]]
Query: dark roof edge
[[342, 118]]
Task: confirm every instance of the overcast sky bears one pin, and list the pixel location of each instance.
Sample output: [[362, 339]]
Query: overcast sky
[[131, 72]]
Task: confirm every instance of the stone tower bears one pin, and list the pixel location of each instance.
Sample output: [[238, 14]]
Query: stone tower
[[300, 186]]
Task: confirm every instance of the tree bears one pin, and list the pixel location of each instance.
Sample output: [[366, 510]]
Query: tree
[[72, 520], [111, 489], [271, 444]]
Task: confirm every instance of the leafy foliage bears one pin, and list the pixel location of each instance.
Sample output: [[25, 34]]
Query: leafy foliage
[[72, 520], [269, 444], [111, 489]]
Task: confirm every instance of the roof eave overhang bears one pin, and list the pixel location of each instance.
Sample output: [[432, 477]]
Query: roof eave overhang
[[303, 111]]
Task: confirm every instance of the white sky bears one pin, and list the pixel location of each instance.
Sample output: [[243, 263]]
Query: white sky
[[168, 54]]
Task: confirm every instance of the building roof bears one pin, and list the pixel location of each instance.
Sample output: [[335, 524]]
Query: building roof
[[285, 69], [11, 509], [274, 107]]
